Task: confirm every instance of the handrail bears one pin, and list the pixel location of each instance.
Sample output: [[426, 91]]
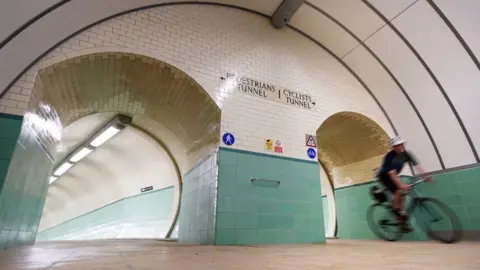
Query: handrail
[[265, 180]]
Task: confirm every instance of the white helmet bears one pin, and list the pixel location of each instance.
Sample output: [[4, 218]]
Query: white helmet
[[397, 140]]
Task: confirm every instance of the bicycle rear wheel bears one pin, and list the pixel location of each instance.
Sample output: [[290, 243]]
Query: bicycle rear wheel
[[440, 222], [383, 222]]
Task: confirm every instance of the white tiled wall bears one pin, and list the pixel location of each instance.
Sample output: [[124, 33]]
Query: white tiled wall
[[207, 42]]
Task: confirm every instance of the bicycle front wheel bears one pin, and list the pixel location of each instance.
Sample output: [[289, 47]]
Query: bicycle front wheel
[[383, 223], [440, 222]]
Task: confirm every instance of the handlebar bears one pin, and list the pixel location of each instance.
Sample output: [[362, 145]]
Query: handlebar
[[416, 182]]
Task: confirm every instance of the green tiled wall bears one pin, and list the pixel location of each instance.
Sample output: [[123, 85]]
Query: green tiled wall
[[10, 126], [196, 222], [264, 213], [351, 205], [146, 215], [23, 193], [458, 189], [325, 212]]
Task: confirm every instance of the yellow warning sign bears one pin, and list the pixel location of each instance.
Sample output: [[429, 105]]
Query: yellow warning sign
[[268, 145]]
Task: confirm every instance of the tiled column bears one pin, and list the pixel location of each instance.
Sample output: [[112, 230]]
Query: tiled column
[[10, 127], [282, 205], [196, 224], [25, 168]]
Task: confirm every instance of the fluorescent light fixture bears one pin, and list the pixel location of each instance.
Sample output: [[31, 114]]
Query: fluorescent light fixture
[[104, 136], [52, 179], [80, 154], [62, 169]]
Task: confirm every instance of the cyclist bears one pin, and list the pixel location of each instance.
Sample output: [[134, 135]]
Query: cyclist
[[388, 175]]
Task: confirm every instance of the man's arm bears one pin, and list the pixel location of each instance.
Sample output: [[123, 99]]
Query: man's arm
[[418, 167], [397, 180]]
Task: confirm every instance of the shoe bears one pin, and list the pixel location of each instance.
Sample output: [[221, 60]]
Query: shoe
[[406, 229]]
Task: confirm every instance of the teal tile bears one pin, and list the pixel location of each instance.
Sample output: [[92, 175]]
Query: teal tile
[[247, 205], [266, 206], [285, 222], [225, 204], [246, 237], [10, 128], [317, 223], [266, 222], [475, 223], [267, 237], [245, 190], [304, 237], [225, 221], [286, 237], [4, 238], [228, 158], [286, 207], [6, 148], [303, 223], [267, 190], [246, 221], [319, 236], [4, 164], [227, 189], [225, 237], [302, 208], [227, 174]]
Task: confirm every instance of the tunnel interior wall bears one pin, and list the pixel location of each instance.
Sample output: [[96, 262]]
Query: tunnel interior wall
[[131, 217], [24, 188]]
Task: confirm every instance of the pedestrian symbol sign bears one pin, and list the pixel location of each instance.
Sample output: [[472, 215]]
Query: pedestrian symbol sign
[[310, 141], [228, 139]]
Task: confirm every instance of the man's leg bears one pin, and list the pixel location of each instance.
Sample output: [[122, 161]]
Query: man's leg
[[397, 204]]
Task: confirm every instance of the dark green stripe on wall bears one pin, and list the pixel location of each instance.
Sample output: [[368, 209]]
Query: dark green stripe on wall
[[10, 127]]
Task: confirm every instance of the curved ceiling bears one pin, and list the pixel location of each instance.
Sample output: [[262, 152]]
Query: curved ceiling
[[417, 58], [117, 169], [162, 100]]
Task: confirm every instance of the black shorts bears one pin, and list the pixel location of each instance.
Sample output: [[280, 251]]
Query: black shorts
[[388, 182]]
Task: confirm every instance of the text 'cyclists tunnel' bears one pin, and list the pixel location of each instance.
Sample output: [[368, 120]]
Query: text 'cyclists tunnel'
[[350, 145], [174, 124]]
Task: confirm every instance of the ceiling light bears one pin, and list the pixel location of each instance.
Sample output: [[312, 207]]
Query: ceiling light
[[80, 154], [104, 136], [62, 169], [52, 179]]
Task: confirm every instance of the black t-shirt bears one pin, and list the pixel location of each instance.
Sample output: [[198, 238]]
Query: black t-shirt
[[395, 161]]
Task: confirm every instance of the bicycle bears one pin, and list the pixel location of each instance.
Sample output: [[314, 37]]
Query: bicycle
[[426, 217]]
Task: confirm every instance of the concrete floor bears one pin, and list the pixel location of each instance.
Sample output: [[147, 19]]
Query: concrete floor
[[151, 254]]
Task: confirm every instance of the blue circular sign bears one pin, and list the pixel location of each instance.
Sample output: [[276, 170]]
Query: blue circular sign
[[311, 153], [228, 138]]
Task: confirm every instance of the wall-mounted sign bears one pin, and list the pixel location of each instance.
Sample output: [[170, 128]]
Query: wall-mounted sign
[[271, 92], [278, 147], [310, 140], [311, 153], [145, 189], [228, 139], [268, 145]]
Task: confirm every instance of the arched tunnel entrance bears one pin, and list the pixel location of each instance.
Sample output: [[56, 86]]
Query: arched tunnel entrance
[[350, 145], [174, 124]]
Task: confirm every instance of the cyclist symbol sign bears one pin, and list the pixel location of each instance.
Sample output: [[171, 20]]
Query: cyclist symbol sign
[[311, 153]]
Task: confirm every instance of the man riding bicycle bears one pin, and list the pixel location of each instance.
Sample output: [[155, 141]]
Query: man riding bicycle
[[388, 175]]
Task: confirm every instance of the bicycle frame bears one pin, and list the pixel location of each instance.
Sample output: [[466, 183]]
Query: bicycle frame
[[416, 198]]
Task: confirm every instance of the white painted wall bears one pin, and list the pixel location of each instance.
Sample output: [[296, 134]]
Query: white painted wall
[[442, 52], [207, 42], [116, 170], [15, 13]]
